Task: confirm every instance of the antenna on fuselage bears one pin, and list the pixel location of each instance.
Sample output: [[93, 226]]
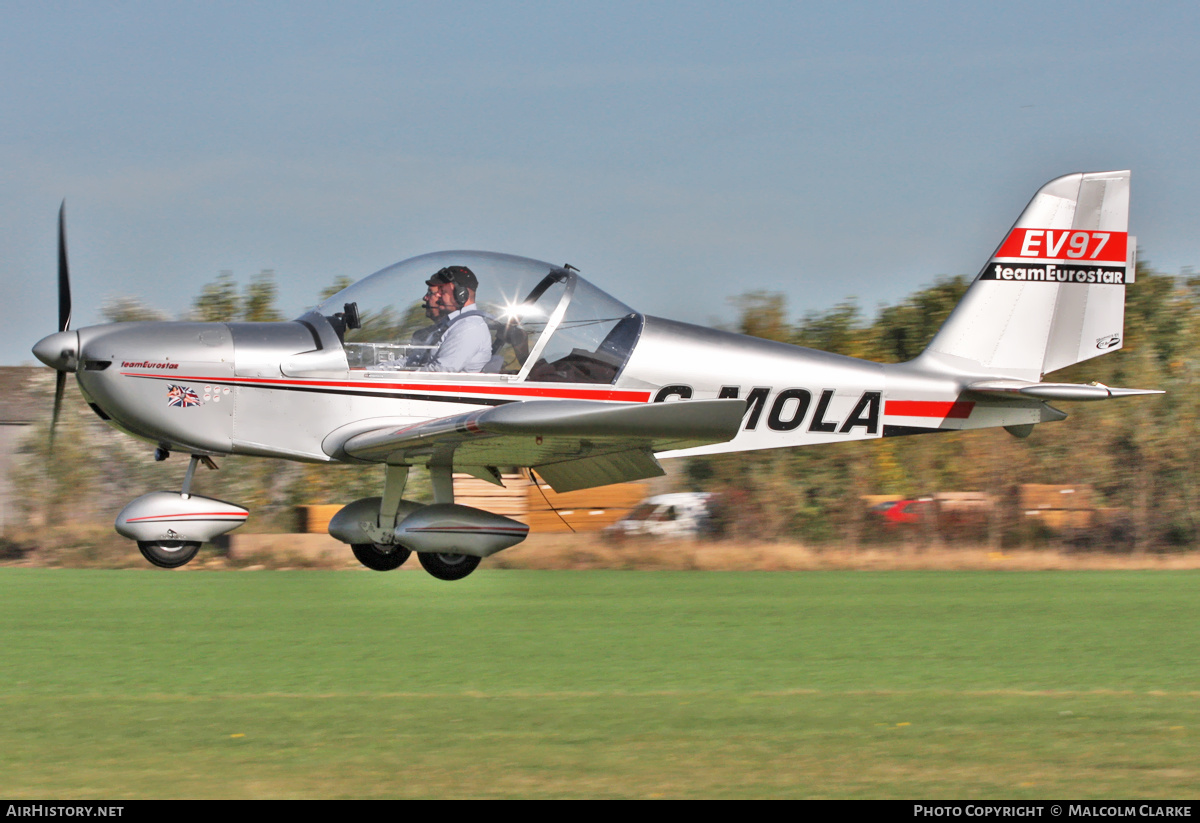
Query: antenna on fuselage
[[538, 484]]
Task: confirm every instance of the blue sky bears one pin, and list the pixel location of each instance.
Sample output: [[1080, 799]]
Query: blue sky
[[677, 153]]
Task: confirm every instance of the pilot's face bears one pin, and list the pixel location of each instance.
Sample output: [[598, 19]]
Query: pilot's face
[[448, 304], [435, 305]]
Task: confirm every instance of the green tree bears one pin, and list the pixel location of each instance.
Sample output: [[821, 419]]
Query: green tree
[[218, 302], [258, 300], [763, 314], [128, 309], [336, 286], [840, 330], [901, 332]]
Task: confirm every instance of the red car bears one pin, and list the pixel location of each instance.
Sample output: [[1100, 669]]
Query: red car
[[898, 512]]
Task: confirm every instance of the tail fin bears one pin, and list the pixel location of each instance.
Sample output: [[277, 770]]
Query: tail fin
[[1053, 293]]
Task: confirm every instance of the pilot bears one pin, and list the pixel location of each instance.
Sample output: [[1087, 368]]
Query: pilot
[[424, 340], [459, 332]]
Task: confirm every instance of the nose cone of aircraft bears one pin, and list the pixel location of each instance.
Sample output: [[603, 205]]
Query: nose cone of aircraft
[[59, 351]]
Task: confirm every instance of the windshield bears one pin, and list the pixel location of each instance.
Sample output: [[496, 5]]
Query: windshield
[[483, 313]]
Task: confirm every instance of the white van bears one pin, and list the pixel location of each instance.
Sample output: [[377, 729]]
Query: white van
[[684, 514]]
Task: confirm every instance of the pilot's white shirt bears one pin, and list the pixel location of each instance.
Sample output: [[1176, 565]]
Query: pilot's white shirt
[[466, 346]]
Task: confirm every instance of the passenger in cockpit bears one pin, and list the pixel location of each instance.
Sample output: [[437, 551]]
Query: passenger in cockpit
[[459, 339]]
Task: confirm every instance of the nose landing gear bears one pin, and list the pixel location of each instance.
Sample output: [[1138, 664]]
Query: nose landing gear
[[169, 527]]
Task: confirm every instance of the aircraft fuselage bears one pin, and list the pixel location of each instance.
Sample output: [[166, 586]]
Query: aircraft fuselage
[[283, 389]]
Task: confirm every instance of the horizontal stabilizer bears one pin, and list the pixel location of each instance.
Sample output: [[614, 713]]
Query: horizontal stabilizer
[[1053, 391]]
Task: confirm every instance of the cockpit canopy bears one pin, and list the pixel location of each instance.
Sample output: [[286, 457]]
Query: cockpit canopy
[[547, 323]]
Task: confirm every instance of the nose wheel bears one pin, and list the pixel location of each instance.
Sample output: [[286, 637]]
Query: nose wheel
[[170, 527], [168, 554]]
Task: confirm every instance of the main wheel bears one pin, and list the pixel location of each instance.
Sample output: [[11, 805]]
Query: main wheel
[[448, 566], [378, 557], [168, 554]]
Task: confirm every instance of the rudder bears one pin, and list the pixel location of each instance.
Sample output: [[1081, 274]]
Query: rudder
[[1053, 292]]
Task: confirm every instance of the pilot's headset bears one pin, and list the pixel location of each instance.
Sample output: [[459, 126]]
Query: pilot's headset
[[464, 281]]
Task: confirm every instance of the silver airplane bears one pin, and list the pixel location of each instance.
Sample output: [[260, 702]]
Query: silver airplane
[[571, 382]]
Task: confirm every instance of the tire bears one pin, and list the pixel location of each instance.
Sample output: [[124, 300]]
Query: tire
[[168, 554], [448, 566], [380, 558]]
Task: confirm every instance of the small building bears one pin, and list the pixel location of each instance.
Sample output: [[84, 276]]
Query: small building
[[536, 504], [22, 403]]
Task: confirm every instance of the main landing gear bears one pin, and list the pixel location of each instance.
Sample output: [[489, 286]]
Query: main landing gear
[[449, 540], [448, 566], [379, 557]]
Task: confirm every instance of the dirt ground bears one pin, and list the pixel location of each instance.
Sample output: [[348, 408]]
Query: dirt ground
[[585, 552], [588, 551]]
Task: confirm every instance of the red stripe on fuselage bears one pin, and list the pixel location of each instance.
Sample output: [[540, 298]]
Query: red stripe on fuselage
[[516, 392], [238, 515], [497, 530], [955, 409]]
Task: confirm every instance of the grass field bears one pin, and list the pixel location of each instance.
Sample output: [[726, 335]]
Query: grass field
[[127, 684]]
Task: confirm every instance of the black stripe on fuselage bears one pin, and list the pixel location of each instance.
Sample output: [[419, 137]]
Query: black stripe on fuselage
[[904, 431]]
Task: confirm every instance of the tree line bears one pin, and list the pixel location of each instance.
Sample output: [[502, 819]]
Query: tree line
[[1141, 455]]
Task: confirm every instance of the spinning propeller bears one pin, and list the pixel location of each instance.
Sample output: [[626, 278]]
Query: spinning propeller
[[60, 351]]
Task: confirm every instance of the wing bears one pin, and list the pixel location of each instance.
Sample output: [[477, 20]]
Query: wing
[[573, 444]]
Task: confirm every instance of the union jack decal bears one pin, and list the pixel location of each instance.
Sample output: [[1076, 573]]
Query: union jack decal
[[181, 396]]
